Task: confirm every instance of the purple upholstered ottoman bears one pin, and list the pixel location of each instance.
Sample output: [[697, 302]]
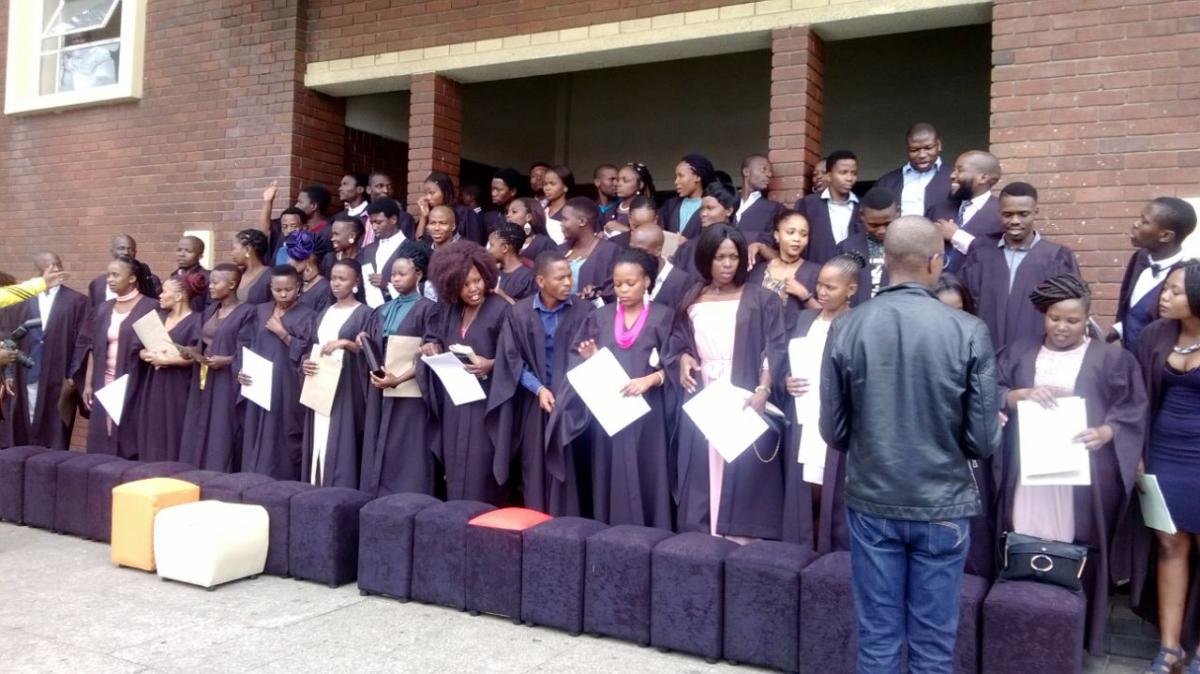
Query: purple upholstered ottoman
[[439, 552], [1032, 628], [553, 567], [762, 603], [71, 493], [970, 621], [230, 486], [199, 477], [323, 535], [687, 589], [385, 544], [617, 586], [143, 471], [495, 548], [41, 487], [12, 481], [101, 480], [276, 497]]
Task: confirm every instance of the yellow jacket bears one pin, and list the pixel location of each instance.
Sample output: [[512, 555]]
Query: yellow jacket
[[15, 294]]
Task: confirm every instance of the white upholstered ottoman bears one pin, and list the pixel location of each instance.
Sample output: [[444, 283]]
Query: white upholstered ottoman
[[208, 543]]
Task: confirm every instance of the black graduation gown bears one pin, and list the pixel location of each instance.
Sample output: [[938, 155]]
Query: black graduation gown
[[519, 283], [162, 402], [470, 225], [260, 291], [684, 258], [821, 244], [494, 219], [367, 256], [631, 471], [937, 190], [123, 439], [806, 274], [675, 287], [317, 298], [538, 244], [466, 450], [858, 243], [343, 450], [597, 269], [400, 436], [1111, 383], [212, 437], [97, 294], [984, 224], [1138, 263], [271, 440], [669, 213], [758, 222], [515, 421], [752, 488], [198, 302], [1009, 314]]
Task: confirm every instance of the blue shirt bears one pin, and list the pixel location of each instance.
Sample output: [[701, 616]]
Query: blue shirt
[[550, 319], [1015, 256], [687, 208], [912, 195]]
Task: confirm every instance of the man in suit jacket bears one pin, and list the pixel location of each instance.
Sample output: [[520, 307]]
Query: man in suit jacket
[[925, 179], [833, 214], [672, 282], [756, 213], [971, 210], [878, 209], [1158, 234], [122, 245]]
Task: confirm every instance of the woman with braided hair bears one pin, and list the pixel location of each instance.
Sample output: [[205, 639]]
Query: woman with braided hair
[[504, 245], [1067, 363]]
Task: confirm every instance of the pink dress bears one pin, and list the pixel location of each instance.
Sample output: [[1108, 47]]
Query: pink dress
[[714, 325], [112, 344]]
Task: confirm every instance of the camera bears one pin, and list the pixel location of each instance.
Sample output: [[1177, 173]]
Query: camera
[[10, 343]]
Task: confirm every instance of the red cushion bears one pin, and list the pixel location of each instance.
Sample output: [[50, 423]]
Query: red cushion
[[513, 519]]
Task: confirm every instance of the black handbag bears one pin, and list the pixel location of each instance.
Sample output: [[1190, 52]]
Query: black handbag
[[1043, 561]]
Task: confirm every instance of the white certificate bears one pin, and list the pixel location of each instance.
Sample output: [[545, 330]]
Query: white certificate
[[153, 335], [462, 386], [317, 392], [1049, 453], [401, 356], [1154, 505], [261, 372], [373, 294], [554, 229], [804, 356], [598, 381], [720, 412], [112, 398]]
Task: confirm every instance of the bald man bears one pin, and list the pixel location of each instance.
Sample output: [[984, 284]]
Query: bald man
[[188, 252], [925, 179], [970, 210], [672, 282], [123, 245], [924, 378]]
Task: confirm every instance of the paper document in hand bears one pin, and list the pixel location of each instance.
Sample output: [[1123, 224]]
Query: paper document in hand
[[1049, 453], [154, 336], [319, 389], [720, 413], [112, 398], [804, 360], [599, 381], [401, 357], [261, 372], [462, 386], [1154, 505], [373, 295]]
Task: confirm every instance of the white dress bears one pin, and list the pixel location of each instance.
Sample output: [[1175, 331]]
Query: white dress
[[331, 324], [714, 325]]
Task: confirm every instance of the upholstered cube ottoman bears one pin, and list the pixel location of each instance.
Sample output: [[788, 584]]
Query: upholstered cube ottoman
[[762, 603], [158, 469], [323, 536], [70, 508], [439, 552], [494, 553], [970, 622], [135, 505], [276, 497], [12, 481], [1033, 628], [617, 586], [687, 589], [199, 477], [553, 567], [229, 486], [385, 544], [208, 543], [101, 480], [41, 487]]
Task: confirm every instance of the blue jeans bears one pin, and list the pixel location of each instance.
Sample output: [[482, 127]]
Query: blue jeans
[[906, 578]]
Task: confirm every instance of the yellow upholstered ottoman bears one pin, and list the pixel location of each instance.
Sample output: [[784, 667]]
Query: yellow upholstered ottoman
[[134, 506]]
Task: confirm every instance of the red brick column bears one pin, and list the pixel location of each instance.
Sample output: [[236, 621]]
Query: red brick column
[[1096, 109], [434, 131], [797, 95]]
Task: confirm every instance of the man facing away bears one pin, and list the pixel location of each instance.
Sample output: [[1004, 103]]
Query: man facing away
[[908, 392]]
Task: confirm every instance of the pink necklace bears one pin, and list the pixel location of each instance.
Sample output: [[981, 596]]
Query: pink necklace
[[626, 337]]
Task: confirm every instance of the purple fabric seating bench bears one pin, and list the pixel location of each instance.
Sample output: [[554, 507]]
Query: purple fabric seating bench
[[385, 544], [101, 480], [71, 493], [199, 477], [618, 582], [762, 604], [230, 486], [495, 549], [439, 552], [276, 497], [688, 593], [553, 566], [41, 487], [1033, 628], [144, 471], [323, 535], [12, 481]]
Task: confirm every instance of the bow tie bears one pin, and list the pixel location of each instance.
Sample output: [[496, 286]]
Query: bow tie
[[1156, 269]]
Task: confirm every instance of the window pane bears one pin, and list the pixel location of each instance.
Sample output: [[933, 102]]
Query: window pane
[[48, 82], [88, 67], [74, 16]]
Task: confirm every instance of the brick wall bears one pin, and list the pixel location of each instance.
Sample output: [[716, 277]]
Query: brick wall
[[367, 152], [1097, 109], [434, 131], [797, 96]]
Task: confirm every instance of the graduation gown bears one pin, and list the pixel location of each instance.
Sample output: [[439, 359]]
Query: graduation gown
[[1111, 383], [470, 225], [1133, 318], [752, 487], [984, 224], [669, 213], [260, 291], [162, 402], [198, 302], [674, 288], [494, 219], [806, 274], [758, 221], [516, 422], [821, 244], [66, 321], [937, 190], [858, 243], [597, 269], [97, 289], [271, 440], [212, 437], [466, 450], [519, 283], [344, 449], [538, 244], [316, 299], [400, 436], [1009, 314], [123, 441], [631, 471]]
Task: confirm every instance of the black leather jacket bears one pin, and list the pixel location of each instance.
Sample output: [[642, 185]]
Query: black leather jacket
[[908, 390]]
